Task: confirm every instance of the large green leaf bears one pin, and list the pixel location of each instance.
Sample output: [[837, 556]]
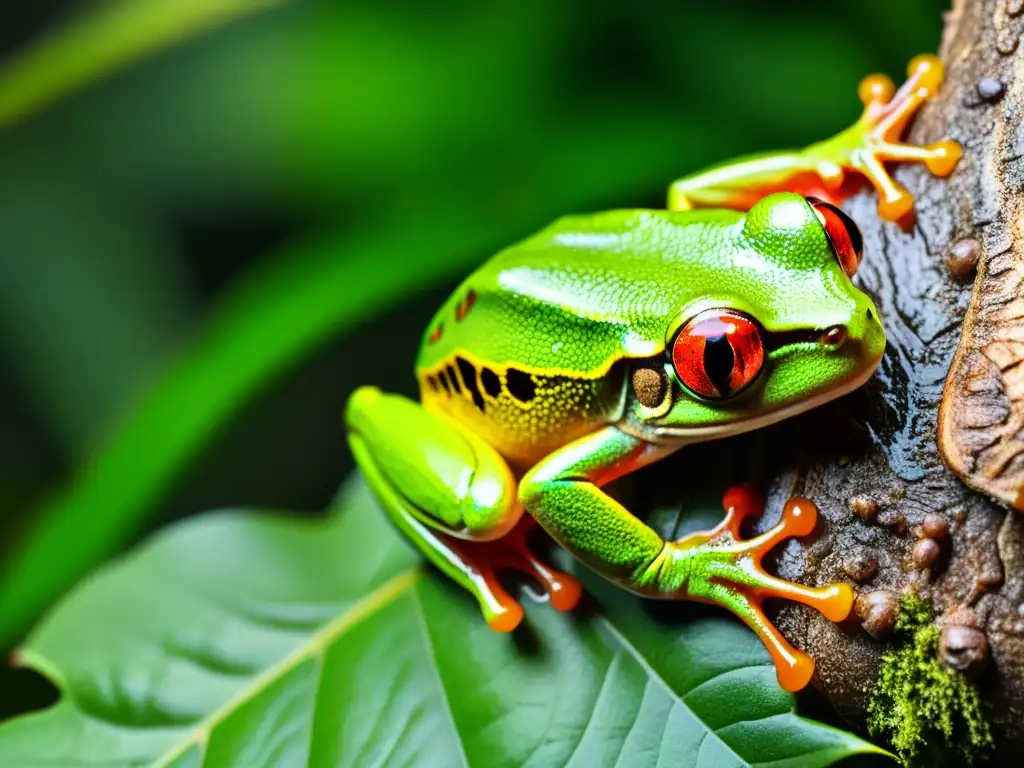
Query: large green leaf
[[246, 639]]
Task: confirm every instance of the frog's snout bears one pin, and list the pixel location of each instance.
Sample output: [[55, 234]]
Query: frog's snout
[[870, 336]]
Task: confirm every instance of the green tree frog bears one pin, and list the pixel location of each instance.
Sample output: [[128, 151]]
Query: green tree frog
[[608, 341]]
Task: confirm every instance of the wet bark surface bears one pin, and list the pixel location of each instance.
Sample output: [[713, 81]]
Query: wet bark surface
[[873, 462]]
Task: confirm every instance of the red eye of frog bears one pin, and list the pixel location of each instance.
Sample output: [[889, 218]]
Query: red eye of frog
[[845, 238], [718, 353]]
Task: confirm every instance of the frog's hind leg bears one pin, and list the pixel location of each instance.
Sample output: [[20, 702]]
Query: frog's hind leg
[[837, 167], [453, 496]]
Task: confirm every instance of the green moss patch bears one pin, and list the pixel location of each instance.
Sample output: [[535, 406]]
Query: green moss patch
[[924, 709]]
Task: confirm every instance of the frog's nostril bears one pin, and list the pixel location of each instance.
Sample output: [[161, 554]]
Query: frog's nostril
[[870, 314]]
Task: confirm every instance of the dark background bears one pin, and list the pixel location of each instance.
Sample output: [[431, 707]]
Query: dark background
[[132, 210]]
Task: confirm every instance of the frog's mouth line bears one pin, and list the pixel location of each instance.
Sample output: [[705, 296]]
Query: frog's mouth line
[[702, 434]]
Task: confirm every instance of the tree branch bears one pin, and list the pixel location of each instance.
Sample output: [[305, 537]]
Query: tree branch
[[872, 462]]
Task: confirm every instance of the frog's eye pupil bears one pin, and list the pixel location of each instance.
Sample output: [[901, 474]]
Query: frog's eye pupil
[[843, 235], [718, 353], [719, 360]]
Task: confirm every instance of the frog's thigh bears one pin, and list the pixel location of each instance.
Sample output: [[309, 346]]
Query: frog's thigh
[[441, 474], [739, 184], [437, 482]]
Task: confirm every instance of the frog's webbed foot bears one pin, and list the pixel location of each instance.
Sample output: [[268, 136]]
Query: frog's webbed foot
[[875, 138], [485, 558], [726, 570]]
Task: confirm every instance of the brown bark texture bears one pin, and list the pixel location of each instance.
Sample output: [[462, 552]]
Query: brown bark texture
[[951, 387]]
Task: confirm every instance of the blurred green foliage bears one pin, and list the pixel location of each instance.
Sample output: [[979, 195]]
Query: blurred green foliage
[[183, 241]]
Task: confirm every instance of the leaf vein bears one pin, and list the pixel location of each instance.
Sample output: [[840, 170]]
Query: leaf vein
[[654, 675], [361, 610], [432, 655], [718, 678], [632, 725], [320, 665], [593, 710]]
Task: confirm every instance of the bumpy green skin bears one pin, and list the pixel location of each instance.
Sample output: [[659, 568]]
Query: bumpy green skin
[[562, 493], [740, 182], [589, 291], [918, 703], [534, 353]]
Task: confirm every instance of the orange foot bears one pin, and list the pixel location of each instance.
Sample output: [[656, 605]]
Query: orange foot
[[876, 138], [484, 559], [726, 570]]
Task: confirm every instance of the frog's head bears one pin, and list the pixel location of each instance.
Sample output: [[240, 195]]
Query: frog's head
[[784, 331]]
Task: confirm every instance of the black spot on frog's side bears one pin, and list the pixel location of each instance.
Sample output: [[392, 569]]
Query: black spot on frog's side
[[469, 380], [441, 377], [520, 385], [490, 382], [456, 387]]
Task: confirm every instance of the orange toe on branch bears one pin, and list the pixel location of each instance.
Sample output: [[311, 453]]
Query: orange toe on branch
[[877, 137], [736, 579], [799, 516], [796, 672], [741, 502], [896, 206], [944, 158], [925, 71], [876, 89], [836, 602], [793, 667]]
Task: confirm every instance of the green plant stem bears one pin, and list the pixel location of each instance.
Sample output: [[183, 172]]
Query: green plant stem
[[109, 36]]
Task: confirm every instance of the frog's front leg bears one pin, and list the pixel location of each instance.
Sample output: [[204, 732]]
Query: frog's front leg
[[835, 168], [563, 494], [454, 497]]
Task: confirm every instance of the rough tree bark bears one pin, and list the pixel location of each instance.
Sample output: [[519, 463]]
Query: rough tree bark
[[873, 462]]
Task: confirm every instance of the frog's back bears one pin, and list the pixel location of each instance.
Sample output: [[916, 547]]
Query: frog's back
[[527, 351]]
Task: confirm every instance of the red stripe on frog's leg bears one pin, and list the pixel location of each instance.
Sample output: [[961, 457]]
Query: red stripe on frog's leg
[[513, 552], [563, 589], [502, 611]]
